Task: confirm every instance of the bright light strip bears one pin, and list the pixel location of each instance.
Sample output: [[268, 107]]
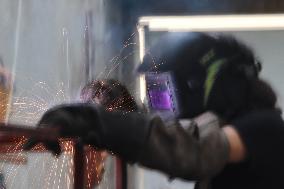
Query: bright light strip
[[142, 80], [214, 22], [141, 33]]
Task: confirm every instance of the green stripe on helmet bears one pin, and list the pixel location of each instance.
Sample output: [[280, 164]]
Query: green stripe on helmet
[[212, 72]]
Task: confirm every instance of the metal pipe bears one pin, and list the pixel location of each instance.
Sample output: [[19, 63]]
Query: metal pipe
[[15, 130], [79, 164]]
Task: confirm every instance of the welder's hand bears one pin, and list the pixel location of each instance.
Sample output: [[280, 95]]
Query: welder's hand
[[121, 133], [73, 120]]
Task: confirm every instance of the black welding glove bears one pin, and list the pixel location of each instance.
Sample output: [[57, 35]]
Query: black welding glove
[[181, 149], [118, 132]]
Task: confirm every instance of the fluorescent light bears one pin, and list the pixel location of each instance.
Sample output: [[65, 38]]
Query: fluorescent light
[[142, 81], [214, 22], [141, 33]]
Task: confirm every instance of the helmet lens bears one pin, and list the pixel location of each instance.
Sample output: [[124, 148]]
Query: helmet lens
[[160, 99], [161, 96]]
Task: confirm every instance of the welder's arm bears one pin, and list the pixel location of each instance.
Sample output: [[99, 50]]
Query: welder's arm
[[189, 150], [183, 149]]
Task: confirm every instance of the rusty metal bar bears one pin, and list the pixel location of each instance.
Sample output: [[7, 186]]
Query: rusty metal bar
[[14, 130], [10, 131], [79, 162]]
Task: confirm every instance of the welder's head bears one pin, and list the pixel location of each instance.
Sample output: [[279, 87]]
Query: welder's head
[[189, 73]]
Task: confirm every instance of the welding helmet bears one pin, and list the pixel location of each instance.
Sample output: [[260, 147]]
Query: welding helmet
[[189, 73]]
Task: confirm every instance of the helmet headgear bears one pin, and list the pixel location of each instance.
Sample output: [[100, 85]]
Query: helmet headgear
[[208, 73]]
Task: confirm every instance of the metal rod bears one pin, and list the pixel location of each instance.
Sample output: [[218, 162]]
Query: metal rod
[[79, 164], [15, 130]]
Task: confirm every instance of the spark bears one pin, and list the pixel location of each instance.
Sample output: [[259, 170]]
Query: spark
[[28, 105]]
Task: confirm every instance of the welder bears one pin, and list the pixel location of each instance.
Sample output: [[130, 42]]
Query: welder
[[211, 119]]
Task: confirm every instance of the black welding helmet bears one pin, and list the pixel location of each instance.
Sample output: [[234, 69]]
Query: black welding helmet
[[189, 73]]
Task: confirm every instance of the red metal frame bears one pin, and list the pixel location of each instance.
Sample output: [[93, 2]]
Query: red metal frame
[[118, 170], [11, 135]]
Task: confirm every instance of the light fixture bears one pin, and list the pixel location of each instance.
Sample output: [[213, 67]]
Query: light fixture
[[214, 22]]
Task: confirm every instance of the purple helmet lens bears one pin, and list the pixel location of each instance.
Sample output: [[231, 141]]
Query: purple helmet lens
[[160, 100]]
